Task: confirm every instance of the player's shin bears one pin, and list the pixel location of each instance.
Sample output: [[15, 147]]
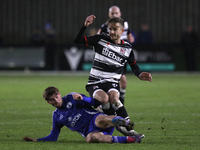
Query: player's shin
[[107, 109], [122, 95], [120, 110]]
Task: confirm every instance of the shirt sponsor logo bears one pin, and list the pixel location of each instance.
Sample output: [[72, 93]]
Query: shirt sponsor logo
[[75, 119], [69, 119], [69, 105], [114, 85], [95, 87], [111, 55], [122, 51]]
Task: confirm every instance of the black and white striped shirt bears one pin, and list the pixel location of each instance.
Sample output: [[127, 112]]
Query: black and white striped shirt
[[109, 59]]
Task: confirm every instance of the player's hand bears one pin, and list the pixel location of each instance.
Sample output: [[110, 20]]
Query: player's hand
[[89, 20], [28, 139], [77, 96], [145, 76]]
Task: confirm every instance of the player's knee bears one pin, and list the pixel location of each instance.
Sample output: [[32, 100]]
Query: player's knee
[[88, 140], [103, 98], [113, 99], [93, 138], [100, 120]]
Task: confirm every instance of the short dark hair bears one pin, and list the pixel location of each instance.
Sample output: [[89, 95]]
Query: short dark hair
[[116, 20], [49, 91]]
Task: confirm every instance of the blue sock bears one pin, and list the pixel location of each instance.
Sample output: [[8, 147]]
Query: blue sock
[[119, 139]]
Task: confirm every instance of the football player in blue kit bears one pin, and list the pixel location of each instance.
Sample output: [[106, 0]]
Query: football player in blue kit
[[75, 111]]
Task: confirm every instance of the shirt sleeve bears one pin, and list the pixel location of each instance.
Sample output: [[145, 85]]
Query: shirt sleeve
[[53, 136], [89, 100], [134, 67], [79, 38], [86, 40]]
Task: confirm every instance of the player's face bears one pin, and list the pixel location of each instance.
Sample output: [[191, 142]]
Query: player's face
[[55, 100], [115, 32], [114, 12]]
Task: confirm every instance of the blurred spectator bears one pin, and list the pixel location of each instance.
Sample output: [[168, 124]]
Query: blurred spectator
[[134, 36], [37, 38], [189, 41], [49, 46], [144, 35], [114, 11]]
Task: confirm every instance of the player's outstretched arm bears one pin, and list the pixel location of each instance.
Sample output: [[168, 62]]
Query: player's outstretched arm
[[28, 139], [145, 76], [79, 39], [89, 20]]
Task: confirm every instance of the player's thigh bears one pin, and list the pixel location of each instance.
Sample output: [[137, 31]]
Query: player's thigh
[[101, 96], [104, 121], [96, 91]]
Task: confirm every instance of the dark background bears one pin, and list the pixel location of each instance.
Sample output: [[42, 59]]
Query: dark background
[[166, 18]]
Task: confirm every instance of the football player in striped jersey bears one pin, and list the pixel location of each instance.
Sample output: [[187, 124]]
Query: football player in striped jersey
[[111, 54], [114, 11]]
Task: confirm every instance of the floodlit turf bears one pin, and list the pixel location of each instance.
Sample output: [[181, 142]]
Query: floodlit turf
[[167, 111]]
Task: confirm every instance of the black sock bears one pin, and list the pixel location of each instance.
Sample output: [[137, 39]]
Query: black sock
[[122, 112], [97, 103], [109, 111], [121, 99]]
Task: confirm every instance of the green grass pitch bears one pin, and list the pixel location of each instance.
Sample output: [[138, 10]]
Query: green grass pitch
[[167, 111]]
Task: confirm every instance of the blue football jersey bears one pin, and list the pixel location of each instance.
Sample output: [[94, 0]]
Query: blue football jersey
[[76, 115]]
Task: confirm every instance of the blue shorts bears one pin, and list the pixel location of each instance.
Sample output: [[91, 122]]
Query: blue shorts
[[93, 128]]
